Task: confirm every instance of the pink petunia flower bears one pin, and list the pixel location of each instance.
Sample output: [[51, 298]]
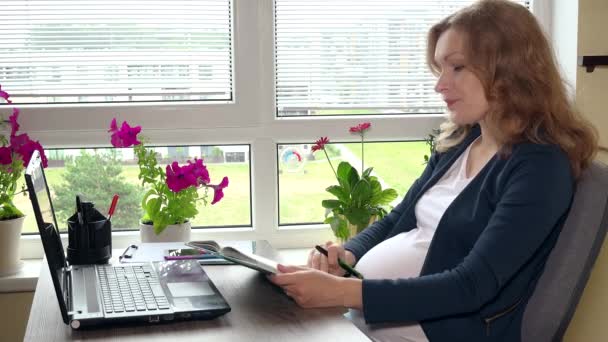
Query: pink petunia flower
[[5, 95], [113, 126], [179, 178], [320, 144], [199, 171], [13, 122], [218, 190], [6, 156], [360, 128], [25, 147], [126, 136]]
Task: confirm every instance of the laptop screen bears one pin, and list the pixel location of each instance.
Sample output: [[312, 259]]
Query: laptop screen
[[47, 225]]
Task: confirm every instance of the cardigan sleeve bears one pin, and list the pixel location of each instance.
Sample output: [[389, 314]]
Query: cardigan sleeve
[[537, 192], [379, 230]]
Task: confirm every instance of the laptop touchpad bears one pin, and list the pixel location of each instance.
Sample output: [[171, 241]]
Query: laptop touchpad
[[190, 289]]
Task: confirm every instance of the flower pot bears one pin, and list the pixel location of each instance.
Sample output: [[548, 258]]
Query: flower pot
[[172, 233], [10, 236], [352, 229]]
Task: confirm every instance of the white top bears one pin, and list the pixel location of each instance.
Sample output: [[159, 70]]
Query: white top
[[402, 256]]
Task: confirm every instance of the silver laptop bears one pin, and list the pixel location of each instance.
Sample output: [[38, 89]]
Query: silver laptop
[[91, 295]]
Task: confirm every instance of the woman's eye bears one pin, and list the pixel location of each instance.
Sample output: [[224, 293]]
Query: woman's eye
[[458, 67]]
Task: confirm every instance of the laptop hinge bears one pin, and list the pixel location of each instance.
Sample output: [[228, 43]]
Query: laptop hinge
[[67, 289]]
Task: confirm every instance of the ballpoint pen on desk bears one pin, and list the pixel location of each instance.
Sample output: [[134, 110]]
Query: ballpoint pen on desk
[[112, 206], [348, 268]]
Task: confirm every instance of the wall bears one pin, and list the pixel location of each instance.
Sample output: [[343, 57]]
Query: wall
[[589, 323], [592, 87], [563, 27], [15, 312]]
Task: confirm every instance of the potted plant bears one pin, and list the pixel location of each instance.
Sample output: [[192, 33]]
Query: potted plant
[[15, 154], [171, 194], [360, 199]]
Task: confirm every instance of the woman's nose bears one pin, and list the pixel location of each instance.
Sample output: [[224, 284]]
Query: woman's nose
[[442, 83]]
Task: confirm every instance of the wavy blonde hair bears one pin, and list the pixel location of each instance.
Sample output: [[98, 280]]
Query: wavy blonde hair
[[508, 51]]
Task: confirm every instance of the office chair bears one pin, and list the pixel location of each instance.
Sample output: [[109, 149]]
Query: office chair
[[559, 289]]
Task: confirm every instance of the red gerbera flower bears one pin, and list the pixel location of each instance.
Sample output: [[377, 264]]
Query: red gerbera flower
[[320, 144], [360, 128]]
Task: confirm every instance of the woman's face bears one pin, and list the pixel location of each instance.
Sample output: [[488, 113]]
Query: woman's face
[[459, 87]]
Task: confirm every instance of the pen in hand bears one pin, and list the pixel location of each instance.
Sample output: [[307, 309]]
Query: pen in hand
[[348, 268]]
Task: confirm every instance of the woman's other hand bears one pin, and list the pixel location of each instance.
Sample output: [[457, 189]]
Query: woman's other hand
[[330, 264]]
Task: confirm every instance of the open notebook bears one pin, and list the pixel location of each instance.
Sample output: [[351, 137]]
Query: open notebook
[[237, 256]]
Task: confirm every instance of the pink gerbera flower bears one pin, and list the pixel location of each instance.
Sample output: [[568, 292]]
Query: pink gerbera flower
[[360, 128], [320, 144]]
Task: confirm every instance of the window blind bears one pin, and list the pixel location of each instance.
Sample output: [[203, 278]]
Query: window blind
[[356, 56], [65, 51]]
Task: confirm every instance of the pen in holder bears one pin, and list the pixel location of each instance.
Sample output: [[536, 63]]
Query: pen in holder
[[89, 235]]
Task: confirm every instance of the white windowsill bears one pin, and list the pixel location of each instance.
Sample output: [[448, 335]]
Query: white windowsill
[[25, 280]]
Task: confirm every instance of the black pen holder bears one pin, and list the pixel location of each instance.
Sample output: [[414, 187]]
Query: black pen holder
[[90, 243]]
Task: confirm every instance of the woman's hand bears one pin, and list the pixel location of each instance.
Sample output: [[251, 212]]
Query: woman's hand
[[329, 264], [311, 288]]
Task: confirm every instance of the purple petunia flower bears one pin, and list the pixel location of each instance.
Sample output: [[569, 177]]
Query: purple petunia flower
[[13, 121], [179, 178], [6, 156], [25, 147], [126, 136], [199, 171], [218, 190]]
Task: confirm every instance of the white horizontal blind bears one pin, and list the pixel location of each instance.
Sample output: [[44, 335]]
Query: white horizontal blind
[[59, 51], [356, 56]]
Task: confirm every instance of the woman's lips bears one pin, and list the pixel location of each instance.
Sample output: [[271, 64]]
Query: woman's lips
[[450, 103]]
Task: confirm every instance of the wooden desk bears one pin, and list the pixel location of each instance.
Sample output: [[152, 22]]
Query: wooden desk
[[260, 312]]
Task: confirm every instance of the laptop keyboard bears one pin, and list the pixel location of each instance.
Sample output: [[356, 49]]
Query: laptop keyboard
[[131, 288]]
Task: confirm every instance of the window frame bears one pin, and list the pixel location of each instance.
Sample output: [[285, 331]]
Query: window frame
[[249, 119]]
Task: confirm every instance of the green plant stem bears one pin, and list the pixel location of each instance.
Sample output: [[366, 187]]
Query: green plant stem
[[362, 154], [330, 164]]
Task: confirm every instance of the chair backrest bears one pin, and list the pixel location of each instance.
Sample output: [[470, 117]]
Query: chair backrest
[[568, 267]]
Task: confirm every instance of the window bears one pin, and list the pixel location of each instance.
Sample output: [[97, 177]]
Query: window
[[116, 51], [218, 128], [356, 56]]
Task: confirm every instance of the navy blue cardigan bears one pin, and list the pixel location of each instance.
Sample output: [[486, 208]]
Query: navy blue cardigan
[[487, 252]]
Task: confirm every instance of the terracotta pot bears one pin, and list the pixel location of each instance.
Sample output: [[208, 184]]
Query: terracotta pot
[[172, 233], [10, 236]]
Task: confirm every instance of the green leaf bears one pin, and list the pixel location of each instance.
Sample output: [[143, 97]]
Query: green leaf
[[353, 177], [386, 196], [375, 185], [358, 216], [339, 192], [344, 171], [331, 204], [339, 226], [153, 205], [8, 211], [367, 172], [362, 193]]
